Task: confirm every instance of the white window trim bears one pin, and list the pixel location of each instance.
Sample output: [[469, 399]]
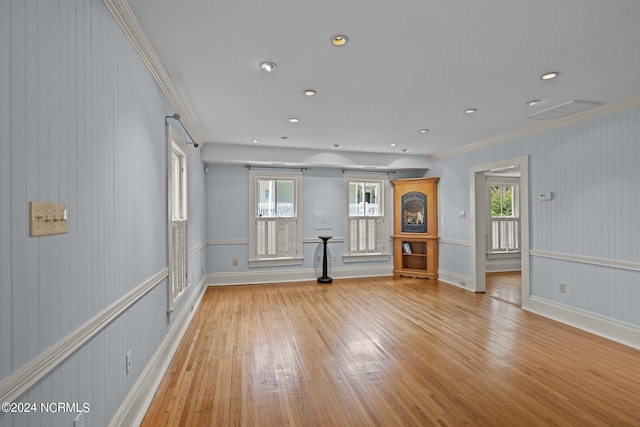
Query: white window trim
[[515, 182], [385, 196], [176, 146], [296, 176]]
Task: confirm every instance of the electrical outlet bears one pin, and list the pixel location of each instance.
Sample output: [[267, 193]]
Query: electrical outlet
[[562, 288], [78, 421], [463, 283], [234, 262], [129, 360]]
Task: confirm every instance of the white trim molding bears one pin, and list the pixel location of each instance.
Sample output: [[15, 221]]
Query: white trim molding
[[134, 406], [454, 279], [594, 113], [198, 248], [603, 262], [478, 221], [24, 378], [132, 29], [306, 240], [227, 242], [260, 276], [311, 240], [455, 242], [616, 331]]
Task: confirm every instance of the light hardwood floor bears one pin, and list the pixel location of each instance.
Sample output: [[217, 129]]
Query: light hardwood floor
[[389, 352], [505, 286]]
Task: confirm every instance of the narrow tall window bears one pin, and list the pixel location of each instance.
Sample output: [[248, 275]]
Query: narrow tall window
[[178, 219], [505, 217], [275, 229], [367, 230]]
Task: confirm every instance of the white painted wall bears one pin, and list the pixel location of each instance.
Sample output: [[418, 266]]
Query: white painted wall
[[591, 169], [82, 123]]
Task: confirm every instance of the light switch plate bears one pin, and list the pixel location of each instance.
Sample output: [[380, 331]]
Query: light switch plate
[[47, 218]]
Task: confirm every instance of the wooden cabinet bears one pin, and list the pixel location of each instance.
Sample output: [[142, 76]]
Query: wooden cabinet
[[415, 228]]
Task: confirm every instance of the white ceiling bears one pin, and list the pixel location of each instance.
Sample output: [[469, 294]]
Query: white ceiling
[[409, 65]]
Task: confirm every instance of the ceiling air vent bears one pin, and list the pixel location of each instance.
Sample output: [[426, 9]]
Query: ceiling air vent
[[564, 110]]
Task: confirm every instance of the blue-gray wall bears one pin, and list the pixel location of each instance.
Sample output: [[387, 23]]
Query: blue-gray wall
[[82, 123], [592, 170], [227, 201]]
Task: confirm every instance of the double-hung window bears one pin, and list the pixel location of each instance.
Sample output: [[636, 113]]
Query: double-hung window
[[505, 216], [367, 230], [178, 219], [275, 229]]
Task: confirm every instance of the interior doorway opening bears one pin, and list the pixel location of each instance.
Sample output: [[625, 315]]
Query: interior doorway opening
[[505, 286], [481, 231]]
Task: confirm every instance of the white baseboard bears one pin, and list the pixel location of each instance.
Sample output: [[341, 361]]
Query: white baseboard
[[35, 370], [134, 406], [607, 328], [454, 279], [293, 275], [137, 401]]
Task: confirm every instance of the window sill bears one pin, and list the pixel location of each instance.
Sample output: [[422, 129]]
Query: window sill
[[366, 258], [274, 262]]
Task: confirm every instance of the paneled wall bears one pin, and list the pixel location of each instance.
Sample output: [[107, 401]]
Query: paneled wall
[[588, 236], [227, 227], [82, 123]]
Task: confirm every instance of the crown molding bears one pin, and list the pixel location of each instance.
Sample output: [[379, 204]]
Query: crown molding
[[593, 113], [132, 29]]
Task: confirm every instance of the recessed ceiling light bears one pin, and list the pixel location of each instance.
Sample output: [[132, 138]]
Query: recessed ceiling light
[[470, 111], [268, 66], [549, 76], [254, 140], [336, 145], [284, 137], [339, 40], [533, 102], [310, 92], [423, 130], [294, 120], [393, 144]]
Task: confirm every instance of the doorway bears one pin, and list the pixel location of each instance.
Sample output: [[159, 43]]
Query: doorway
[[479, 223], [505, 286]]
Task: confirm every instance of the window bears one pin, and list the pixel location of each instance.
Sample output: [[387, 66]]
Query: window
[[275, 229], [177, 219], [366, 224], [505, 216]]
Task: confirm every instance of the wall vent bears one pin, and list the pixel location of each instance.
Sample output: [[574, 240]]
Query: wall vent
[[564, 110]]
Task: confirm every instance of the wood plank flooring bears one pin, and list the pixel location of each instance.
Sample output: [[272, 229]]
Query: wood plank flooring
[[505, 286], [389, 352]]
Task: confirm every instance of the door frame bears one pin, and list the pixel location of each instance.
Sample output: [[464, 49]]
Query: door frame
[[478, 222]]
